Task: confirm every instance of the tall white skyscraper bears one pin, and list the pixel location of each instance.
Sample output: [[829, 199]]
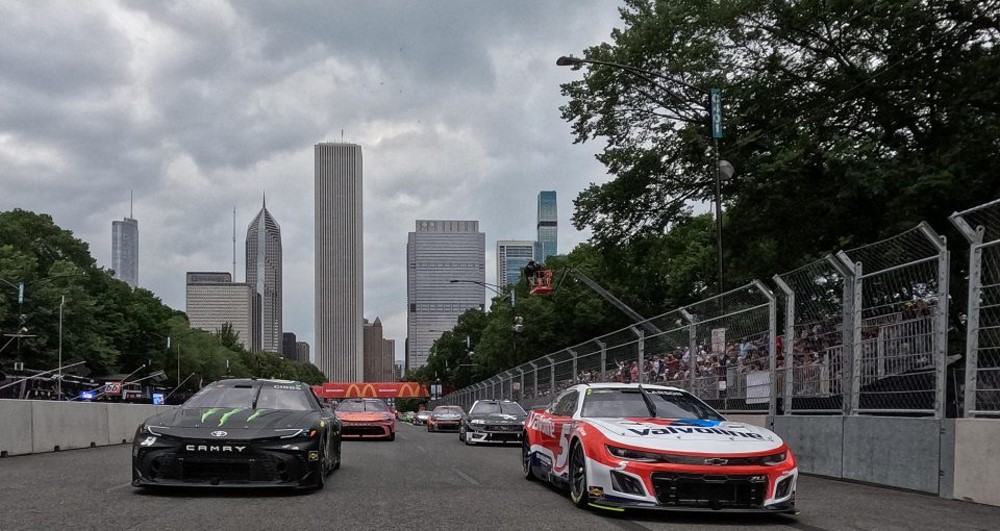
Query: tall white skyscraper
[[339, 256], [512, 256], [264, 275], [437, 253], [125, 249]]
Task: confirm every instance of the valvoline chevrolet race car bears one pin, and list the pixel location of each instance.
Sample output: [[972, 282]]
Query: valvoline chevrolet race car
[[619, 446]]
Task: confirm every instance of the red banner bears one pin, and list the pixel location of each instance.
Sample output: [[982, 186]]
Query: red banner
[[339, 390]]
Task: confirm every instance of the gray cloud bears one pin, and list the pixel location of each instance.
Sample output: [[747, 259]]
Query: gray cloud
[[203, 106]]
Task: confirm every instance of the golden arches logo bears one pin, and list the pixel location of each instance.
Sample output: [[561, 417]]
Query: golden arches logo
[[409, 390], [354, 390]]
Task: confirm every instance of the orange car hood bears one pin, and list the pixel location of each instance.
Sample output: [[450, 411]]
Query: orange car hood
[[362, 416]]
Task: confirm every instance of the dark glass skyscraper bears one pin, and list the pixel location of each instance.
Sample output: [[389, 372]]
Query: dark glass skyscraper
[[548, 229]]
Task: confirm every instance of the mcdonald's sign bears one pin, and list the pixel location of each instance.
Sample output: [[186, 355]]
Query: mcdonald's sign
[[339, 390]]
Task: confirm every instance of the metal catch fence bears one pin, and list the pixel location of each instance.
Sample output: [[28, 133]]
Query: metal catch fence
[[862, 331], [981, 227]]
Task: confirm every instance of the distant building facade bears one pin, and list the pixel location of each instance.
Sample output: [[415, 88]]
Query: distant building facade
[[263, 253], [548, 225], [339, 261], [288, 341], [437, 252], [512, 256], [212, 299], [125, 250], [379, 355], [302, 352]]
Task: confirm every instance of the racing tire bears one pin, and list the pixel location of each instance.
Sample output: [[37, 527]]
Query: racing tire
[[392, 436], [321, 477], [529, 473], [336, 464], [578, 477], [461, 433]]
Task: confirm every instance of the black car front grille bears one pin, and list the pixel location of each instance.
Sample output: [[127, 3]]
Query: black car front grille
[[503, 427], [710, 491], [202, 468]]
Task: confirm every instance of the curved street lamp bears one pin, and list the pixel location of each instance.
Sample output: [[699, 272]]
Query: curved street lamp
[[712, 105]]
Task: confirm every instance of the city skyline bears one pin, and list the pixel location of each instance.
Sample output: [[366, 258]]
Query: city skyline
[[198, 120], [339, 261]]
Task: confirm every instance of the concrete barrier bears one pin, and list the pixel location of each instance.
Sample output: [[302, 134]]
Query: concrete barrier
[[15, 427], [817, 442], [753, 420], [124, 418], [977, 466], [894, 451], [67, 425]]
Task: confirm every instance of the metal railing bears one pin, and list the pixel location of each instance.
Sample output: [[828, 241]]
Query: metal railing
[[981, 227]]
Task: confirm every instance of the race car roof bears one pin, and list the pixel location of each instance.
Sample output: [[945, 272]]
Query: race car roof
[[615, 385]]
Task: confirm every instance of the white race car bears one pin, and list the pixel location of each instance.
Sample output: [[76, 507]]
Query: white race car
[[619, 446]]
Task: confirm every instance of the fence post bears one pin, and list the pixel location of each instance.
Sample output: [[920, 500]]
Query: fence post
[[534, 390], [642, 351], [693, 349], [552, 376], [788, 344], [940, 330], [772, 345], [975, 238], [573, 353], [852, 328], [604, 358]]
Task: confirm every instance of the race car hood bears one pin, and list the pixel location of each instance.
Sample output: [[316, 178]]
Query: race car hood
[[498, 418], [362, 416], [688, 435], [238, 423]]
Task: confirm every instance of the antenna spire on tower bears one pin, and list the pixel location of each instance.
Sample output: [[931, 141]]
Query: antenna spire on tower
[[264, 195], [130, 214]]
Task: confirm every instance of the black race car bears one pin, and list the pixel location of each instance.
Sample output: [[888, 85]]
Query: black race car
[[493, 421], [240, 433]]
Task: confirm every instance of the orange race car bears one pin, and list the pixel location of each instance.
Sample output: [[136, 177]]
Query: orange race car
[[366, 418]]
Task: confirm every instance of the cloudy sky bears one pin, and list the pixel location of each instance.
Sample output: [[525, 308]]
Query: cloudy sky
[[202, 105]]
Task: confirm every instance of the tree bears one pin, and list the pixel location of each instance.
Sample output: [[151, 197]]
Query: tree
[[846, 120]]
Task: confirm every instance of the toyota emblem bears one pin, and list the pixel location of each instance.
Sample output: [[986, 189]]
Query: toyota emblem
[[716, 461], [219, 434]]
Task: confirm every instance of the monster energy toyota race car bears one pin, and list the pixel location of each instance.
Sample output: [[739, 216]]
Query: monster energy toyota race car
[[240, 433]]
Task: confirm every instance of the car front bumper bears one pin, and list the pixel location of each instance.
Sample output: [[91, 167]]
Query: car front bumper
[[254, 466], [366, 430], [494, 434]]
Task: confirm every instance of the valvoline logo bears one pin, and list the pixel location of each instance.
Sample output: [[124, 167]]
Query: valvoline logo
[[678, 423]]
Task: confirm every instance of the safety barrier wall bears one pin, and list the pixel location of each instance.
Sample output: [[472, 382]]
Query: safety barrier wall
[[36, 426], [976, 466]]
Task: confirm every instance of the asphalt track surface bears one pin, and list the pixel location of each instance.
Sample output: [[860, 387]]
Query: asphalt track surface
[[419, 481]]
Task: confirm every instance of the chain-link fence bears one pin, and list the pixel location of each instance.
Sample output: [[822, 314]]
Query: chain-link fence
[[981, 227], [862, 331]]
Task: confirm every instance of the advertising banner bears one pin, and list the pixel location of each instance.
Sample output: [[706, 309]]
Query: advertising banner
[[340, 390]]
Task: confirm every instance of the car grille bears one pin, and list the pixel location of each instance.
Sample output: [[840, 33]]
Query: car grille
[[710, 491], [503, 427], [198, 468], [362, 430]]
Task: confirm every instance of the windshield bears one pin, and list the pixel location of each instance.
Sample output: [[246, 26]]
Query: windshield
[[357, 406], [507, 408], [267, 396], [629, 403], [447, 410]]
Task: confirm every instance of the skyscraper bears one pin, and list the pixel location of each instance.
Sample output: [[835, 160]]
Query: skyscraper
[[264, 275], [548, 228], [436, 253], [288, 340], [125, 249], [512, 256], [339, 256], [379, 357], [212, 300]]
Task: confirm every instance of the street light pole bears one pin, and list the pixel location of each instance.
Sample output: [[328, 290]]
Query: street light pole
[[59, 381], [714, 110]]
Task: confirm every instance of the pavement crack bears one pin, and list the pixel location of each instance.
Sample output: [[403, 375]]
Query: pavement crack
[[465, 476]]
